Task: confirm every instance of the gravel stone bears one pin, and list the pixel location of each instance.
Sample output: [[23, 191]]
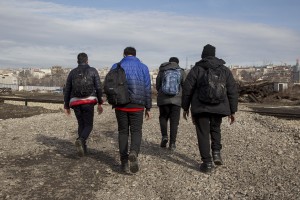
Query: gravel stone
[[38, 160]]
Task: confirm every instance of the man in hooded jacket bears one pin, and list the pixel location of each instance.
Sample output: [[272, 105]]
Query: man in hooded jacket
[[207, 117], [169, 105]]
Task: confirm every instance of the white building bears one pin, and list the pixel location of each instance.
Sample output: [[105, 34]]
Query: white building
[[39, 74], [8, 79], [279, 87]]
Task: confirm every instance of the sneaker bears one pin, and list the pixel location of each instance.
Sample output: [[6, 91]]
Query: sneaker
[[206, 167], [217, 158], [172, 146], [134, 165], [125, 167], [80, 147], [164, 142]]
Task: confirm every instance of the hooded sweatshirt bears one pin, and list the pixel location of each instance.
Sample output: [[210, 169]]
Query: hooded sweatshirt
[[192, 82], [163, 99]]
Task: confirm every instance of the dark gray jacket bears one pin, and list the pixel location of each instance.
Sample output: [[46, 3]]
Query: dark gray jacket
[[192, 82], [163, 99], [68, 95]]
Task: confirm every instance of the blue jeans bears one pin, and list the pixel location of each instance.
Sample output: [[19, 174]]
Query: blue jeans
[[129, 123]]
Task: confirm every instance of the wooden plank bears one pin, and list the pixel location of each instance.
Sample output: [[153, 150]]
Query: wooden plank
[[26, 100]]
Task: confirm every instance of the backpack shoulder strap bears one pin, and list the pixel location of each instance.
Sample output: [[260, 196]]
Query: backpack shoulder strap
[[119, 64]]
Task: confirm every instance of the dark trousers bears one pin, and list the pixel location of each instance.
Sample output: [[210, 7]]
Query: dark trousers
[[208, 127], [129, 122], [85, 118], [169, 112]]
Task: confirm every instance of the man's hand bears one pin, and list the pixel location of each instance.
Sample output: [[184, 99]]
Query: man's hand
[[185, 114], [147, 115], [231, 119], [68, 112], [99, 109]]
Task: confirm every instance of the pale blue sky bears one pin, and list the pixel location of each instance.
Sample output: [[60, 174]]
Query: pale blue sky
[[52, 32], [282, 13]]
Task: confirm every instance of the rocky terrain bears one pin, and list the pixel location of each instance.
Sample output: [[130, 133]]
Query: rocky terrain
[[38, 160]]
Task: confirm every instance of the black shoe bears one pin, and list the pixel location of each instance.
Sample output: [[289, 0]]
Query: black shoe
[[217, 158], [206, 167], [164, 142], [172, 146], [85, 149], [80, 147], [125, 167], [134, 165]]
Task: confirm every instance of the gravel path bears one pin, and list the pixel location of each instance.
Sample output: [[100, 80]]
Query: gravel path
[[38, 161]]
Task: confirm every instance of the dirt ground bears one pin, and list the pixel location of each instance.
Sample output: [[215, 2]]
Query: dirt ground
[[8, 111], [39, 161]]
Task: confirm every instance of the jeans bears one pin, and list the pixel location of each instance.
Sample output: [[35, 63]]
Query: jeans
[[171, 112], [208, 127], [129, 122], [85, 118]]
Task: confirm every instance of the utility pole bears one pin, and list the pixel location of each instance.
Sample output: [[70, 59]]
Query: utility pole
[[186, 62]]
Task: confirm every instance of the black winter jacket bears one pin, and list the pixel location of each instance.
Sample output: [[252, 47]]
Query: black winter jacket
[[163, 99], [97, 85], [192, 82]]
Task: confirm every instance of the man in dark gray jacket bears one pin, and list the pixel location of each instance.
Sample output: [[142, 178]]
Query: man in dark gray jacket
[[169, 105], [83, 106], [207, 116]]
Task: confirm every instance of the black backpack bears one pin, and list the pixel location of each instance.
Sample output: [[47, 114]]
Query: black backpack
[[212, 87], [82, 83], [115, 87]]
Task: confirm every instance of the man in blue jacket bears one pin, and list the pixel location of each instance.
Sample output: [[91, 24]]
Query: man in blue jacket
[[130, 116]]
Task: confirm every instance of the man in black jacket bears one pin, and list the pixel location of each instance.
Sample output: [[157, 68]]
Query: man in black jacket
[[207, 116], [169, 105], [82, 99]]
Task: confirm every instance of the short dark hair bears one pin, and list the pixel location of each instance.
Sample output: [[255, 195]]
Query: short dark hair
[[174, 59], [82, 58], [129, 51]]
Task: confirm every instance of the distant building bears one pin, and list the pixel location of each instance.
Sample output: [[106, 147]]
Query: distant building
[[46, 71], [8, 79], [39, 74], [279, 87], [296, 72]]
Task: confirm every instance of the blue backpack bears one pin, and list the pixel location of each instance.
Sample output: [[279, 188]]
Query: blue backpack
[[171, 82]]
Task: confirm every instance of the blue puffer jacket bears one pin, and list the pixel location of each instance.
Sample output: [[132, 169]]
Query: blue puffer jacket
[[138, 80]]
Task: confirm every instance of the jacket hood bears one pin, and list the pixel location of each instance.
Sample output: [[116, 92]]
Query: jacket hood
[[169, 65], [83, 65], [210, 61]]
